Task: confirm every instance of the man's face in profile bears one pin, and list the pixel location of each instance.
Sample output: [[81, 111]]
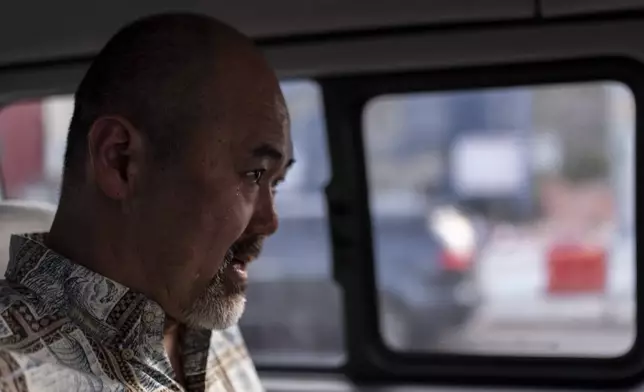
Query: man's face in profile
[[243, 181], [208, 216]]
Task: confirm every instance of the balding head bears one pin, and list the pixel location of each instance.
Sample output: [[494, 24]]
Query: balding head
[[178, 139], [156, 72]]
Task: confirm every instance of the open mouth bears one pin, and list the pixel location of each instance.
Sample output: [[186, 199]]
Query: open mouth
[[239, 265], [236, 274], [240, 255]]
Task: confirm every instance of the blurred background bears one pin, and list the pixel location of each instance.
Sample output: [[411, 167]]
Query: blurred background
[[503, 220]]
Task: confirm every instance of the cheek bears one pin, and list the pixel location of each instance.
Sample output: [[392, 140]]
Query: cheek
[[237, 210], [223, 222]]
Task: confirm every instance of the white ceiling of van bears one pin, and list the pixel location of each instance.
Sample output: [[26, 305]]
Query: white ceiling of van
[[57, 29], [33, 30]]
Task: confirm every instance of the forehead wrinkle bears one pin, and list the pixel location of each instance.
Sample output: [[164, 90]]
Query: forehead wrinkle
[[285, 120], [282, 111], [280, 107]]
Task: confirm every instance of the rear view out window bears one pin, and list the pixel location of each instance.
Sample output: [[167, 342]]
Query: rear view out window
[[503, 219], [293, 314]]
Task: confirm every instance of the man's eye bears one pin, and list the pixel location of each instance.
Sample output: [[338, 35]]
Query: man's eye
[[256, 175]]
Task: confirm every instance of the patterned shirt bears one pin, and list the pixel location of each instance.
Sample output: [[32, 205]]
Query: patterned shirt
[[65, 328]]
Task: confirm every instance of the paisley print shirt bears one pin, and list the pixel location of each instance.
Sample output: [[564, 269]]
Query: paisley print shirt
[[65, 328]]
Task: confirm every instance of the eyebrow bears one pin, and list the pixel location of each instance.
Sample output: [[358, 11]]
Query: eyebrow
[[268, 151]]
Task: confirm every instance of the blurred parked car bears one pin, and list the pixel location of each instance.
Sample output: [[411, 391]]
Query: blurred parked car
[[423, 271]]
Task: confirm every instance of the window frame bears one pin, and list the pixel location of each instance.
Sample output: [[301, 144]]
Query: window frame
[[322, 367], [366, 361], [368, 358]]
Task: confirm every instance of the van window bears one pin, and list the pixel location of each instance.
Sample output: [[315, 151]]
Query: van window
[[502, 219], [293, 313]]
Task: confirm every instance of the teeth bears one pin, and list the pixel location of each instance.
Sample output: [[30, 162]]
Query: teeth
[[240, 269]]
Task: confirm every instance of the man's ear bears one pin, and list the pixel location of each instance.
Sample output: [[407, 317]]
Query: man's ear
[[116, 153]]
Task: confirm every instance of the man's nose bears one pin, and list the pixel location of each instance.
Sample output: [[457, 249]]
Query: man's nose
[[265, 221]]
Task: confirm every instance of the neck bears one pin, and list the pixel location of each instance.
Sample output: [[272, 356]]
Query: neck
[[99, 249], [98, 238]]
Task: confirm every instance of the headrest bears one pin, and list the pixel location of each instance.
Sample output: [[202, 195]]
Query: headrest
[[19, 217]]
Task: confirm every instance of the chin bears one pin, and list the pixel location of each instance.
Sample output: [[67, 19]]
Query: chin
[[216, 313]]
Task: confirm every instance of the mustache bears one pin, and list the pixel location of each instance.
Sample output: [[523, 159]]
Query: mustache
[[247, 249]]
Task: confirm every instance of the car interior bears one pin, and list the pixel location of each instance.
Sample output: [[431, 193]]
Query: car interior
[[462, 214]]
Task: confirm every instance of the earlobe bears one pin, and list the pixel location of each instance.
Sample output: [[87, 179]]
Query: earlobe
[[114, 148]]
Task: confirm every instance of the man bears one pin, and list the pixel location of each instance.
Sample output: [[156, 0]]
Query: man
[[179, 136]]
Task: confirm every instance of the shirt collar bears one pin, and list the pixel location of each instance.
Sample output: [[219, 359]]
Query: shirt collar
[[101, 307]]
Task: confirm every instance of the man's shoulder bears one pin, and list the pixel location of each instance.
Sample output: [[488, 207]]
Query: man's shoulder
[[12, 375], [22, 372], [22, 313], [13, 295]]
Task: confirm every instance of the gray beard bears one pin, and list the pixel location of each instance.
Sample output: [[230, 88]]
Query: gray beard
[[220, 306]]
